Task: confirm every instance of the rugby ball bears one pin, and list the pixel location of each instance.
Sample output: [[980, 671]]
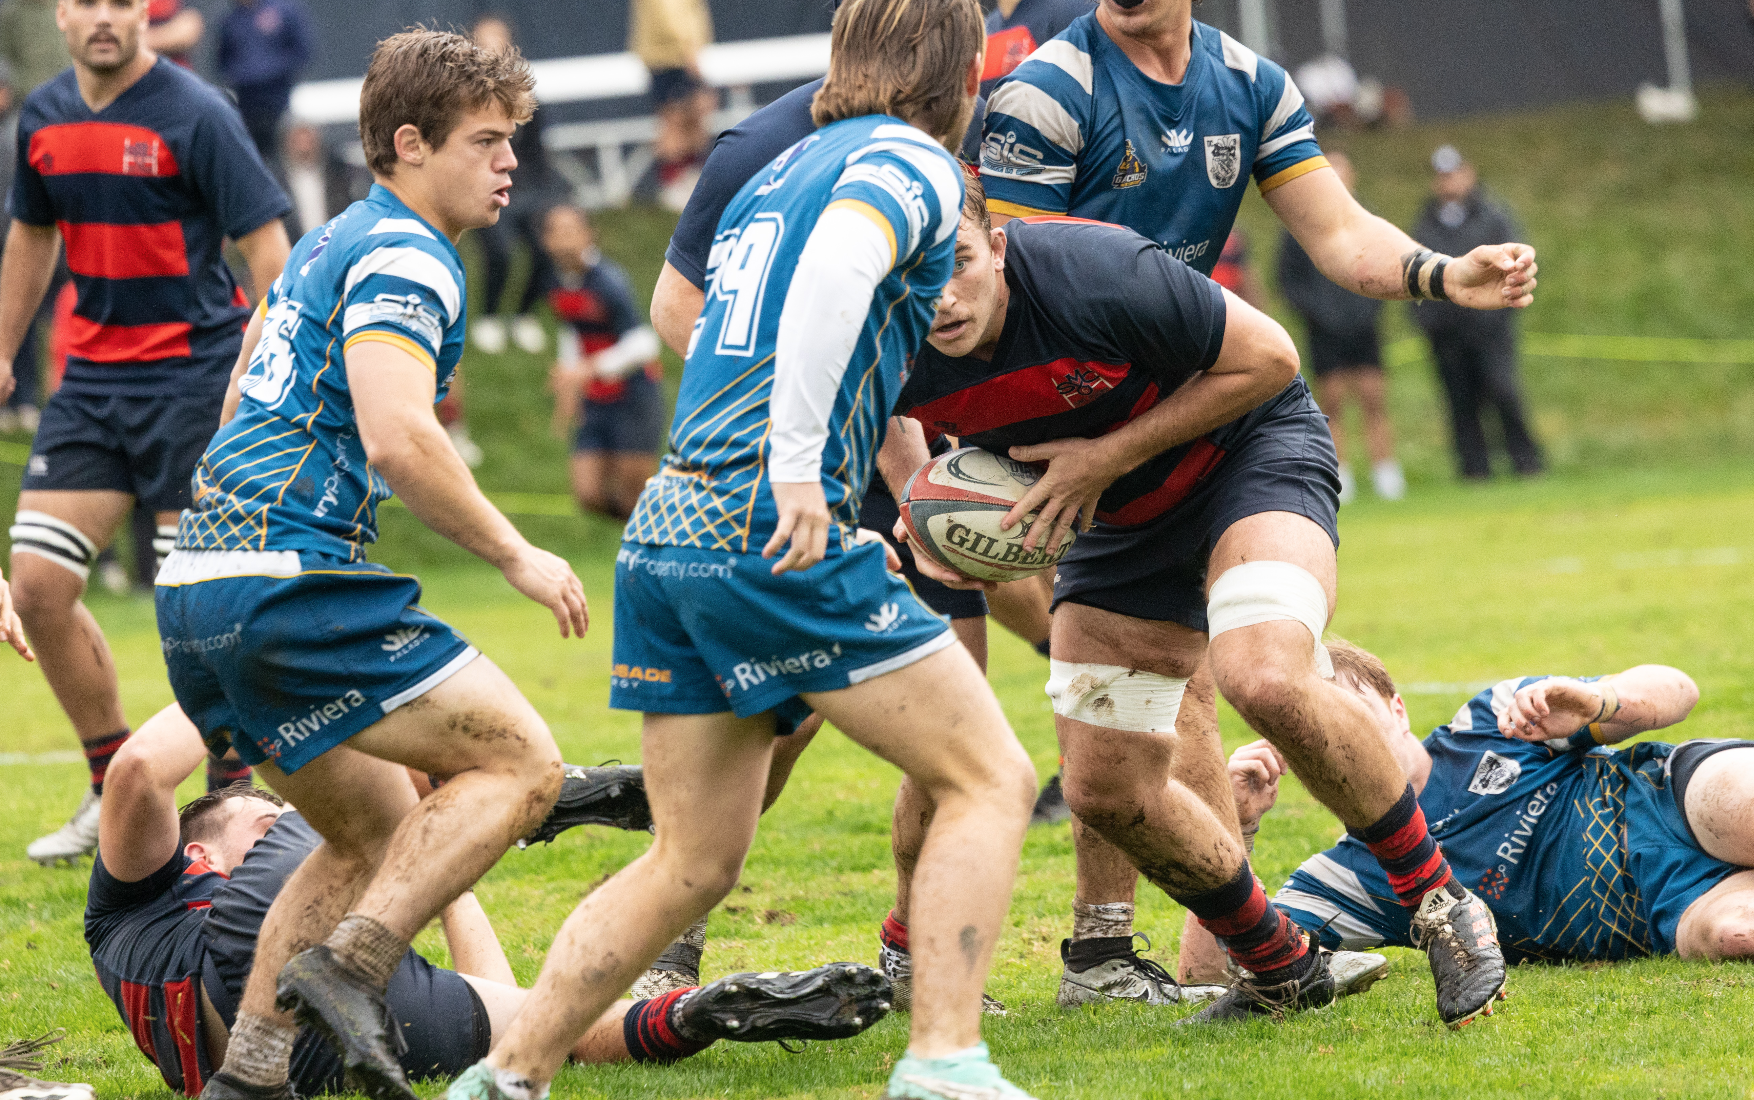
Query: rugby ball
[[952, 508]]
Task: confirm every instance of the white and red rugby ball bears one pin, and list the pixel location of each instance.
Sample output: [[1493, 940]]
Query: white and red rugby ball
[[952, 508]]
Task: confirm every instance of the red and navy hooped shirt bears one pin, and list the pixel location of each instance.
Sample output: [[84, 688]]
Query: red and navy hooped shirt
[[148, 946], [599, 307], [144, 192], [1102, 325]]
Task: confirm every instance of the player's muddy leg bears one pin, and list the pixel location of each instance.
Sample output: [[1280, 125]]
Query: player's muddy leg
[[704, 776], [937, 721], [1719, 925]]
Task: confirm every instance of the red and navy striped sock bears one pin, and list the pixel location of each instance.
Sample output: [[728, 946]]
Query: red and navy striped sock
[[1260, 938], [1403, 845], [894, 934], [98, 753], [652, 1036], [222, 773]]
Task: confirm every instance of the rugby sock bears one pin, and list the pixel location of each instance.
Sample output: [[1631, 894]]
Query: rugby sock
[[654, 1031], [98, 753], [368, 947], [1403, 845], [1102, 921], [222, 773], [894, 934], [1255, 934], [260, 1051]]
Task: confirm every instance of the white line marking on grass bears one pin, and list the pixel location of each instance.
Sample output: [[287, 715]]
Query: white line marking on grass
[[1437, 688], [1660, 559], [31, 759]]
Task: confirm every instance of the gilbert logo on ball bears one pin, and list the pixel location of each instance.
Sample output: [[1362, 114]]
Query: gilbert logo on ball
[[952, 511]]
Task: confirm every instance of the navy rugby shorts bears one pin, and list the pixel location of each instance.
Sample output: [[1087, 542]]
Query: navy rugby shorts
[[704, 631], [634, 423], [284, 656], [147, 447], [1280, 460]]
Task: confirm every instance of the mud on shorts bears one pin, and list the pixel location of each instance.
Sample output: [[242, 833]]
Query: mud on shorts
[[1278, 458]]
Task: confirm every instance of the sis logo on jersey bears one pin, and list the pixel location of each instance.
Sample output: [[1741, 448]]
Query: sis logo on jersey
[[1003, 155], [1130, 172]]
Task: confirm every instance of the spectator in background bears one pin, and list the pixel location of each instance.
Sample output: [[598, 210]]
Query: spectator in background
[[316, 178], [607, 379], [668, 36], [1476, 351], [1016, 28], [31, 44], [173, 30], [536, 185], [263, 47], [1345, 355]]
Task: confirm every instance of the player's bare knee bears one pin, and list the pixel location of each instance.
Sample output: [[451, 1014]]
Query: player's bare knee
[[1731, 934]]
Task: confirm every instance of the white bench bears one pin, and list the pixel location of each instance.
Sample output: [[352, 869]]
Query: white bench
[[604, 159]]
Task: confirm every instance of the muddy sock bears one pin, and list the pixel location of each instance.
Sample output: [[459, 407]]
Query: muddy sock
[[1255, 934], [98, 753], [894, 933], [368, 947], [260, 1050], [1101, 921], [1401, 842], [655, 1032]]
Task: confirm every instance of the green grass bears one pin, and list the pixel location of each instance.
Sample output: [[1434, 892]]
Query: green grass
[[1636, 549]]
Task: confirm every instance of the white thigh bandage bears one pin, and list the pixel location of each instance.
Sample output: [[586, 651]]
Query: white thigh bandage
[[1115, 698], [55, 539], [1262, 591]]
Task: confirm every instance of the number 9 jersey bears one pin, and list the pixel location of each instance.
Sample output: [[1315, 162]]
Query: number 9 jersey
[[712, 492], [288, 472]]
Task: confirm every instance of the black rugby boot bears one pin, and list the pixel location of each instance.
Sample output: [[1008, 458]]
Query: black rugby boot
[[612, 795], [1249, 997], [1460, 938], [336, 1001], [836, 1001], [223, 1086]]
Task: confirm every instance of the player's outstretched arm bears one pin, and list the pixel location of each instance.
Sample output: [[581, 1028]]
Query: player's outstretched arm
[[25, 271], [392, 400], [137, 827], [11, 629], [1641, 699], [1368, 255]]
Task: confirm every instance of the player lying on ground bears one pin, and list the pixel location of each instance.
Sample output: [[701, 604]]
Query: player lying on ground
[[143, 171], [1582, 852], [177, 901], [318, 667], [1138, 114], [1171, 415], [821, 296]]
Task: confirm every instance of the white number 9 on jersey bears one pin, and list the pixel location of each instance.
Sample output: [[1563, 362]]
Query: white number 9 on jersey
[[741, 280], [271, 367]]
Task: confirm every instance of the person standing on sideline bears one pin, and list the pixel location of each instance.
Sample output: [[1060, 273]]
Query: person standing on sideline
[[668, 36], [1345, 354], [263, 47], [151, 342], [1476, 352]]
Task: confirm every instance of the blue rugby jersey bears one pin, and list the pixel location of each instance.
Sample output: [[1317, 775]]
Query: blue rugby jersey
[[1078, 129], [712, 491], [289, 472], [144, 193], [1537, 830], [1102, 324]]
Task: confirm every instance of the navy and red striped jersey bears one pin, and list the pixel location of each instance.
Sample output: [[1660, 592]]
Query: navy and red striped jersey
[[599, 308], [149, 948], [144, 193], [1102, 324]]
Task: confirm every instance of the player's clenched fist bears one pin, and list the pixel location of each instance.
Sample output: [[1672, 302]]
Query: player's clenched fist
[[1493, 276], [550, 581], [1254, 780]]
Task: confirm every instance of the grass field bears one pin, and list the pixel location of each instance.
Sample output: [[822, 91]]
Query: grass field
[[1637, 548]]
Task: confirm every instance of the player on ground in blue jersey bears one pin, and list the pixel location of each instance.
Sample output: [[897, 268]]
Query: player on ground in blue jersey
[[142, 171], [745, 595], [1139, 115], [320, 668], [1583, 853]]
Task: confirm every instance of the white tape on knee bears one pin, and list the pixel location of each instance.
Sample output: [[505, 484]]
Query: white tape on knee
[[1114, 697], [1265, 591], [54, 539]]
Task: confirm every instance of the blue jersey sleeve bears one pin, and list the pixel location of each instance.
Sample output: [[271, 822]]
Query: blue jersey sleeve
[[1288, 146], [402, 290], [909, 185], [1036, 125], [225, 167]]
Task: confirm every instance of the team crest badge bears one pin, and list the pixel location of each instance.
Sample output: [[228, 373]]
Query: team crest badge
[[1080, 386], [1223, 159], [139, 158], [1131, 170], [1495, 774]]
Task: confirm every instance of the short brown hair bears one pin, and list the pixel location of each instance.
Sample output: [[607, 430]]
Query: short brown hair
[[430, 80], [905, 58], [1360, 667], [974, 197], [200, 822]]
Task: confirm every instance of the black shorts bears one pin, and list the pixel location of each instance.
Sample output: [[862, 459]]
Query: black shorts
[[147, 447], [1283, 462], [672, 86], [634, 423], [1336, 350], [879, 513]]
